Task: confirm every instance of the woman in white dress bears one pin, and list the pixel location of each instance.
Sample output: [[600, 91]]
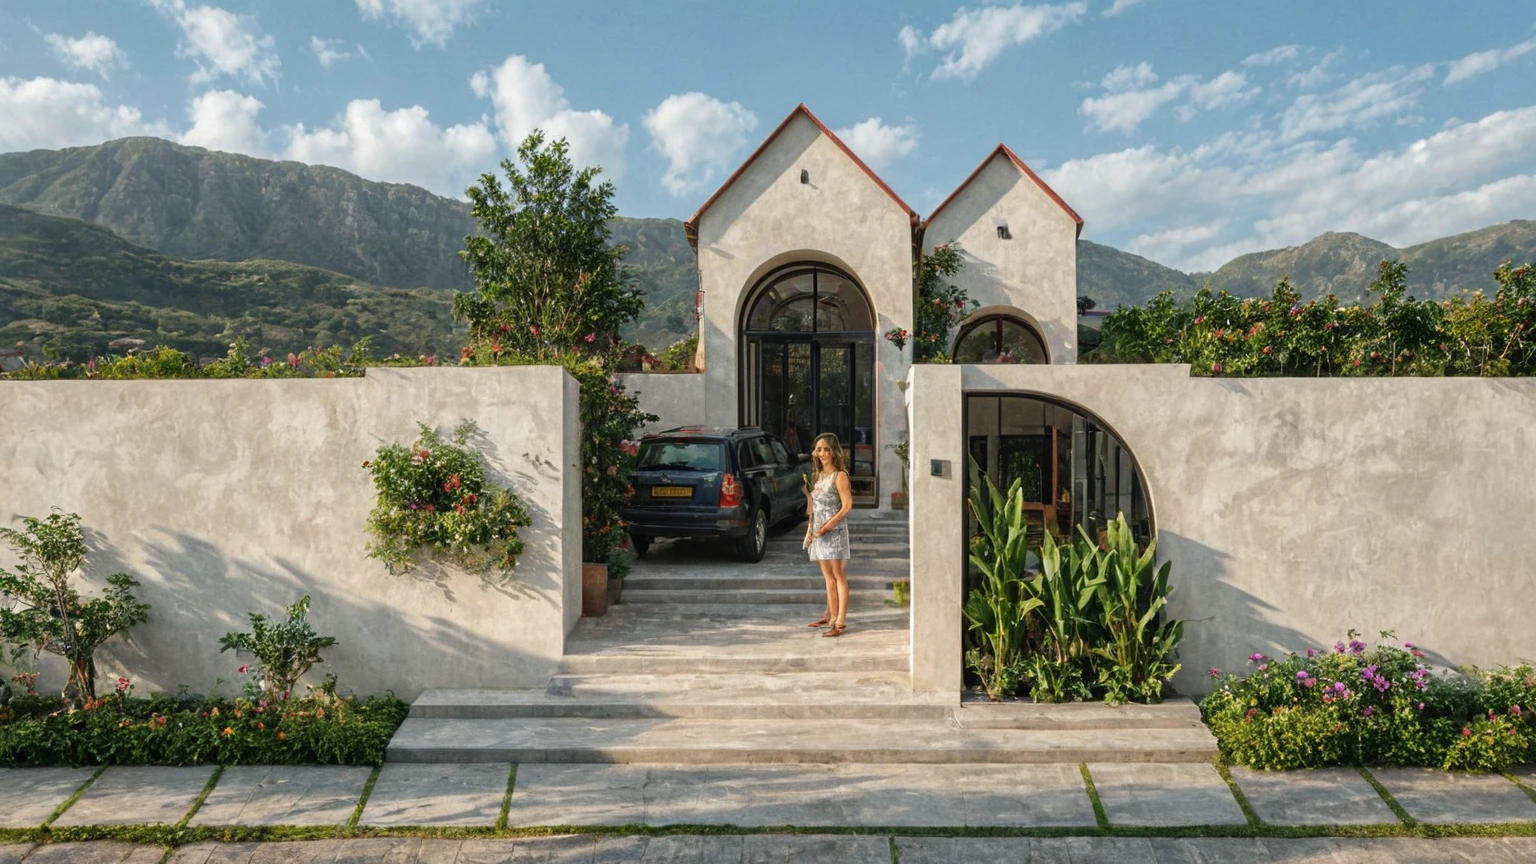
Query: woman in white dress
[[826, 532]]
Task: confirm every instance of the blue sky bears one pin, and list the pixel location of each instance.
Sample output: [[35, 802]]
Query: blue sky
[[1185, 130]]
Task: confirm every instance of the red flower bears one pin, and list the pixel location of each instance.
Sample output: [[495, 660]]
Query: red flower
[[591, 337], [454, 480], [244, 669], [423, 455], [430, 508], [1268, 350], [534, 329], [503, 328]]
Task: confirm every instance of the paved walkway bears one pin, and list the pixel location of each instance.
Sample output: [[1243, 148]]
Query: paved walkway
[[404, 795], [796, 849]]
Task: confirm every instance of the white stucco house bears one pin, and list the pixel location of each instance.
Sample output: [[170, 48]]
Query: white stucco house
[[805, 258]]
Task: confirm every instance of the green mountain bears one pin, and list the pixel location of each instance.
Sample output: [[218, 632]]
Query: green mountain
[[1344, 264], [1114, 278], [73, 288]]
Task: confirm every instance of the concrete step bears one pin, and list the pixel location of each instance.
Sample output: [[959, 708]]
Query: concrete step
[[805, 582], [716, 742], [778, 696], [809, 596]]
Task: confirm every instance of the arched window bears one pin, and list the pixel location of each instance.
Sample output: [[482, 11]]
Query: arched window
[[809, 299], [1000, 339]]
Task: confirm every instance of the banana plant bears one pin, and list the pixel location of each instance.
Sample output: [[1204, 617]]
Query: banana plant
[[997, 613], [1138, 641]]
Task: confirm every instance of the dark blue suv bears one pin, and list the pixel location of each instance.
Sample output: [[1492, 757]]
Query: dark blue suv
[[710, 482]]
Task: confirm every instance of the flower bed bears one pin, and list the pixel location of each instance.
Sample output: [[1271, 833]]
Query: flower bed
[[122, 729], [1376, 705]]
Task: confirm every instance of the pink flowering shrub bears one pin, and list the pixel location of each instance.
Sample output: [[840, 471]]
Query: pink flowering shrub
[[1355, 703]]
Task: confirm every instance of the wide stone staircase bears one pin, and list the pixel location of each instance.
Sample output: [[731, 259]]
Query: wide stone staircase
[[708, 660]]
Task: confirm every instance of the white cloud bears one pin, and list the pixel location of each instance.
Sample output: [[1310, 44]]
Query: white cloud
[[400, 146], [1457, 179], [1118, 7], [1123, 112], [328, 51], [1361, 102], [222, 43], [226, 120], [1319, 73], [1225, 90], [1473, 65], [92, 52], [974, 38], [698, 135], [431, 21], [1129, 77], [525, 98], [48, 113], [878, 144], [1278, 54]]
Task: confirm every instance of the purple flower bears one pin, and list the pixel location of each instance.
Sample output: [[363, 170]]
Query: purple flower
[[1381, 684], [1263, 666], [1301, 676], [1309, 683], [1421, 706], [1311, 652], [1515, 710], [1407, 644], [1254, 658], [1367, 711], [1338, 647], [1338, 686], [1215, 673], [1356, 647]]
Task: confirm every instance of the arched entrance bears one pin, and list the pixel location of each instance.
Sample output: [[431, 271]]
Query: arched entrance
[[808, 349]]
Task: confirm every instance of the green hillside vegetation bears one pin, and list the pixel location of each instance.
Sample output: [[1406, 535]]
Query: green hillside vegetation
[[69, 289], [1114, 278]]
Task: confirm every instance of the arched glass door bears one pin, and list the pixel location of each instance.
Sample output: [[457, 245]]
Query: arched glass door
[[809, 343]]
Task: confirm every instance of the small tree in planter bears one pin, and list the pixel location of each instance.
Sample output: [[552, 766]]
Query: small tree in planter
[[433, 496], [284, 650], [41, 610]]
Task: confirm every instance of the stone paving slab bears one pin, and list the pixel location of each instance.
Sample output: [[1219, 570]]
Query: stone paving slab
[[10, 853], [1143, 794], [138, 795], [1324, 796], [28, 796], [808, 849], [96, 852], [284, 795], [1439, 796], [1526, 774], [437, 795], [801, 795]]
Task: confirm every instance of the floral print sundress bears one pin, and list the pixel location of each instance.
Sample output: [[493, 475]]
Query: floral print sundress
[[825, 502]]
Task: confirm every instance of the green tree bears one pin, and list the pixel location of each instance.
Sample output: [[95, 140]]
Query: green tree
[[40, 609], [940, 305], [549, 283]]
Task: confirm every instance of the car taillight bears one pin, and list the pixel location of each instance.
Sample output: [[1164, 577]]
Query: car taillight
[[730, 491]]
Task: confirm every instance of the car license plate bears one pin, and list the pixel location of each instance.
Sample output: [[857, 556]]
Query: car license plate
[[671, 491]]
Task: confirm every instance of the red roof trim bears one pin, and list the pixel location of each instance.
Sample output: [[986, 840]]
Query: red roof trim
[[1002, 150], [692, 225]]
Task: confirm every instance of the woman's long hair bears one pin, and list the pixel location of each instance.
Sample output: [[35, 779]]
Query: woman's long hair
[[839, 456]]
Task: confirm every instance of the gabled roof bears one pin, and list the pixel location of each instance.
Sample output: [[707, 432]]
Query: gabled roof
[[1002, 150], [692, 225]]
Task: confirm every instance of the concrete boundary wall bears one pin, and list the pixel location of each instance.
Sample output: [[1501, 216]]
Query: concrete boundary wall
[[230, 497], [1292, 509]]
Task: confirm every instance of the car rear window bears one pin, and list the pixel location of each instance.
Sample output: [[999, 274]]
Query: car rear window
[[681, 455]]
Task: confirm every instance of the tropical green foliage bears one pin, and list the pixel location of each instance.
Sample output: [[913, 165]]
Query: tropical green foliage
[[40, 609], [1381, 704], [122, 729], [1219, 334], [941, 305], [679, 355], [164, 362], [548, 281], [433, 497], [1090, 623], [284, 650]]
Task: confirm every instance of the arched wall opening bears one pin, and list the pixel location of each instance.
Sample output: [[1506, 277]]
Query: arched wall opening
[[1076, 473], [1000, 334]]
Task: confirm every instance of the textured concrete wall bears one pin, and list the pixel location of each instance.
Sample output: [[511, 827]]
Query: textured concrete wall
[[1035, 272], [768, 218], [676, 397], [1292, 509], [229, 497]]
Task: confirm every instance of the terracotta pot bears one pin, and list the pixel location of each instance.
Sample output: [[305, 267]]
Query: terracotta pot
[[594, 590], [898, 500]]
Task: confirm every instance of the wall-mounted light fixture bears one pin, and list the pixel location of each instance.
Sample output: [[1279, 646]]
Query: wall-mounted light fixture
[[1002, 232], [805, 177]]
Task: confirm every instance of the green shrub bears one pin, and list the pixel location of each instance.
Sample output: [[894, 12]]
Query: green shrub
[[1378, 705], [284, 650], [42, 611], [1090, 624], [678, 357], [164, 362], [122, 729], [433, 496]]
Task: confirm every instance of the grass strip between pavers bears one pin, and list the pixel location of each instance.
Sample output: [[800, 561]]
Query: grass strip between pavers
[[895, 850], [1402, 814], [70, 801], [506, 800], [1528, 790], [1099, 815], [166, 835], [197, 803], [362, 800], [1237, 793]]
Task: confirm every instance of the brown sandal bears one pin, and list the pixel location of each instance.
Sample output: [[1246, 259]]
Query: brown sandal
[[825, 620], [835, 631]]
